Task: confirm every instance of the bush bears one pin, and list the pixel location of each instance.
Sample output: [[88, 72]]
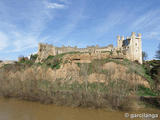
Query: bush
[[30, 84], [33, 57], [153, 70], [53, 62], [143, 91]]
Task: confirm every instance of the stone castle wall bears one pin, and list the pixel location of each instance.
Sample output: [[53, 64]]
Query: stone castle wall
[[45, 50], [129, 48]]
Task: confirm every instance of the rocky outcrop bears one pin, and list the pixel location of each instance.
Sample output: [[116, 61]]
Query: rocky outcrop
[[88, 58], [71, 72], [45, 50], [2, 63], [101, 82], [121, 72]]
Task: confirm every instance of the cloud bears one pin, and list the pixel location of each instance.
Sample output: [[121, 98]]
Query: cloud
[[152, 35], [3, 41], [54, 5], [24, 29], [106, 24], [110, 21], [149, 23], [149, 19], [65, 1], [72, 22], [25, 41]]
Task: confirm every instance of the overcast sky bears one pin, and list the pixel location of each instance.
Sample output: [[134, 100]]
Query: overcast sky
[[25, 23]]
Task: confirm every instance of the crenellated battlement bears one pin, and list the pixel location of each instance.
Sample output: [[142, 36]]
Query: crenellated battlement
[[129, 48]]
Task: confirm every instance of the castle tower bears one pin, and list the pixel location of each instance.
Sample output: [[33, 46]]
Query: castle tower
[[131, 47], [135, 47], [44, 50], [120, 42]]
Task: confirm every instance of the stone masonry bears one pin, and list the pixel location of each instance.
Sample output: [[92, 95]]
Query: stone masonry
[[129, 48]]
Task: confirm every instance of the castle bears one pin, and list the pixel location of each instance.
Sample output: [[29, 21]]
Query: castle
[[129, 48]]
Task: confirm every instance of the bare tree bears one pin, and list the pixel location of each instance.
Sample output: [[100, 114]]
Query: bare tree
[[144, 55], [158, 53]]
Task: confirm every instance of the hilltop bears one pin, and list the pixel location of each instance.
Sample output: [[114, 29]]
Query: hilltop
[[93, 76], [92, 82], [129, 48]]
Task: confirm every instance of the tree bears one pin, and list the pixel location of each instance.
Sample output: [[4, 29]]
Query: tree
[[144, 55], [33, 57], [158, 53], [111, 53]]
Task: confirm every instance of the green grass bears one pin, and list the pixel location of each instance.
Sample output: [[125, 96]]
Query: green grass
[[143, 91], [113, 87], [132, 67], [33, 57], [105, 52], [55, 62]]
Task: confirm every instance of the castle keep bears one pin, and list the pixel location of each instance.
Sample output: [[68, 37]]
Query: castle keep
[[129, 48]]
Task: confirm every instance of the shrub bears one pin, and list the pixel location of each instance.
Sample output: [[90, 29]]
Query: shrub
[[34, 85], [53, 61], [143, 91], [33, 57]]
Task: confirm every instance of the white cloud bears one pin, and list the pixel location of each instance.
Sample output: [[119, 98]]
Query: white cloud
[[25, 41], [110, 22], [107, 24], [32, 21], [3, 41], [152, 35], [149, 23], [65, 1], [54, 5], [68, 28], [146, 20]]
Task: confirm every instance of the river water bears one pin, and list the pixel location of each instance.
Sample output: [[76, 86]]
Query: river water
[[12, 109]]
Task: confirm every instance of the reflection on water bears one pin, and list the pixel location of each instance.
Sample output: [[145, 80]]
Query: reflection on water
[[11, 109]]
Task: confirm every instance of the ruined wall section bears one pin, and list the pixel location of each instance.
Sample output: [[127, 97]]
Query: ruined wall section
[[130, 48], [45, 50]]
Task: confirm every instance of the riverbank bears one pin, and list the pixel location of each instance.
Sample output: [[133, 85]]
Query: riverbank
[[75, 95], [13, 109], [103, 83]]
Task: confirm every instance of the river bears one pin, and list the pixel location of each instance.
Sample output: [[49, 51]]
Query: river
[[12, 109]]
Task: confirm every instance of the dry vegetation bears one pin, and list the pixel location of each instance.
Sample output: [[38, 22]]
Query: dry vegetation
[[75, 84]]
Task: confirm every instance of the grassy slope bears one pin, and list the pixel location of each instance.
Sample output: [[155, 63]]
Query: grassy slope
[[41, 89], [55, 61]]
